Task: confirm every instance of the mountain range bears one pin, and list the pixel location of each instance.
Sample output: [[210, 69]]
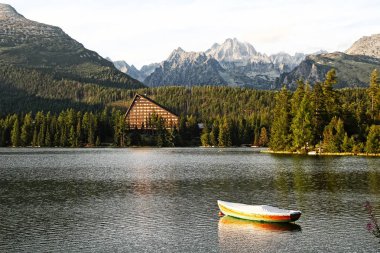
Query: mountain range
[[353, 67], [231, 63], [236, 63], [41, 67], [41, 63]]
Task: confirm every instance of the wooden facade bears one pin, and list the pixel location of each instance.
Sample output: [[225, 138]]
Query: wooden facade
[[141, 110]]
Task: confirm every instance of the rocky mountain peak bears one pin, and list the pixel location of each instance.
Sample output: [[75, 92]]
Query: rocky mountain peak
[[179, 56], [7, 12], [367, 45], [232, 50]]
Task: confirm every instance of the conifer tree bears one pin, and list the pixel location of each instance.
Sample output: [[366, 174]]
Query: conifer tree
[[26, 130], [41, 133], [214, 134], [320, 118], [35, 137], [225, 134], [373, 140], [333, 136], [297, 98], [280, 126], [301, 126], [330, 95], [15, 134], [374, 92], [263, 139], [205, 137], [73, 137], [348, 143]]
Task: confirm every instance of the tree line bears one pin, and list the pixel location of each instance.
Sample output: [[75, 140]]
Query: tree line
[[326, 119], [317, 116]]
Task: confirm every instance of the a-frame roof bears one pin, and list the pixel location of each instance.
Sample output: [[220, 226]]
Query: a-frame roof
[[150, 100]]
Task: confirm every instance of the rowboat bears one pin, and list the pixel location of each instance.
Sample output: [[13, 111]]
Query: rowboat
[[258, 212]]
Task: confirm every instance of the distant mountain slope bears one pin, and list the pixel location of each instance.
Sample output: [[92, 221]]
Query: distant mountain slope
[[367, 45], [29, 44], [42, 62], [132, 71], [352, 70], [187, 68]]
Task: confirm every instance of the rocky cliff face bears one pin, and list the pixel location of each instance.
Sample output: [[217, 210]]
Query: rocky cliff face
[[367, 45], [186, 68]]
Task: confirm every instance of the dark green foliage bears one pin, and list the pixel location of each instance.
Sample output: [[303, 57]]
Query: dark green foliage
[[333, 136], [334, 120], [301, 126], [15, 134], [230, 117], [374, 92], [373, 140], [281, 118]]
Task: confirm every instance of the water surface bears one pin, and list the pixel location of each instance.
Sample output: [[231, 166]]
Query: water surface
[[164, 200]]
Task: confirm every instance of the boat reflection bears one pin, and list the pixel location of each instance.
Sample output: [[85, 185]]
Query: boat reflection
[[238, 235], [231, 223]]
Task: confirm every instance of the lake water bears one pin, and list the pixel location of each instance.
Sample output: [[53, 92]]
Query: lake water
[[164, 200]]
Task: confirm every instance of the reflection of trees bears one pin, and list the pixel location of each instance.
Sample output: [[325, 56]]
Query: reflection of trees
[[302, 182], [373, 175], [282, 183]]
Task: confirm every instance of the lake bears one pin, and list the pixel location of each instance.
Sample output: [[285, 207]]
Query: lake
[[164, 200]]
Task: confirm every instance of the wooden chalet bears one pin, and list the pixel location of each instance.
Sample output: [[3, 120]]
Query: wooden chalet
[[141, 110]]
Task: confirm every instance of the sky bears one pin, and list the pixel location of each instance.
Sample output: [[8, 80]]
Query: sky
[[147, 31]]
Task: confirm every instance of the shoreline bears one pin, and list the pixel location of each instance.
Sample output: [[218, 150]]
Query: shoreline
[[322, 154]]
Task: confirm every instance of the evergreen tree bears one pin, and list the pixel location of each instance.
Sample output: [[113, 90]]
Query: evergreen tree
[[320, 118], [280, 126], [48, 138], [35, 137], [348, 143], [78, 134], [15, 134], [301, 127], [26, 130], [214, 134], [330, 95], [374, 92], [73, 141], [41, 133], [205, 137], [373, 140], [225, 134], [263, 139], [297, 98], [333, 136]]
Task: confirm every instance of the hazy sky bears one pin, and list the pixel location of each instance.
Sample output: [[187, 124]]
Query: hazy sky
[[146, 31]]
